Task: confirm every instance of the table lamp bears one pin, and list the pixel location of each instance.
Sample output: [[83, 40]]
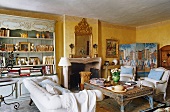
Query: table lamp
[[64, 62]]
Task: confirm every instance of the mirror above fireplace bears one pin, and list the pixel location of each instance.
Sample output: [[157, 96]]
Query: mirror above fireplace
[[83, 39]]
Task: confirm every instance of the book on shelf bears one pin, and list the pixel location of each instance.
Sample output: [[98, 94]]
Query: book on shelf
[[25, 71], [24, 74], [36, 73], [14, 70], [13, 74]]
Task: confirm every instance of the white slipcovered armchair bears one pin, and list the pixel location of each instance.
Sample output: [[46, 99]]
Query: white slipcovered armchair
[[127, 73], [158, 79]]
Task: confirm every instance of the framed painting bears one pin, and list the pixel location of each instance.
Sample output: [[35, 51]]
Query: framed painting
[[24, 46], [111, 48], [21, 60], [34, 60]]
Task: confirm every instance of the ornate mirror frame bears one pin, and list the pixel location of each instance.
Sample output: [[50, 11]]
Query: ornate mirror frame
[[83, 39]]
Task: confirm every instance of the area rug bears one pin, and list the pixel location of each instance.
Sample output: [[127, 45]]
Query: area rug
[[107, 105]]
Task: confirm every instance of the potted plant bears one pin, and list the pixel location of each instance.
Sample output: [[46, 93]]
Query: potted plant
[[115, 74]]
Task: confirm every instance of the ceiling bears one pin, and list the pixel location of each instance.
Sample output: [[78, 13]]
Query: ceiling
[[122, 12]]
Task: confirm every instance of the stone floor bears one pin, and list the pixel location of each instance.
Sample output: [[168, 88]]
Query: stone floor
[[107, 105]]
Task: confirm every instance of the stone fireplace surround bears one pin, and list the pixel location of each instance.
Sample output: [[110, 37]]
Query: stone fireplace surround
[[82, 64]]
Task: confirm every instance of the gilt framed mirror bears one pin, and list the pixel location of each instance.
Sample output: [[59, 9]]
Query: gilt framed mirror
[[83, 39]]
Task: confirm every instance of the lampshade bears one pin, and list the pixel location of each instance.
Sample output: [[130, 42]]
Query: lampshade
[[64, 61]]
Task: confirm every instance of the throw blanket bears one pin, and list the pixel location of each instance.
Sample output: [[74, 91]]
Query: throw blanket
[[84, 101]]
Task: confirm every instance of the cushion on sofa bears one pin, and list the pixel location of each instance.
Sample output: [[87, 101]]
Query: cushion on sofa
[[157, 75], [62, 90], [47, 81], [125, 70], [52, 90]]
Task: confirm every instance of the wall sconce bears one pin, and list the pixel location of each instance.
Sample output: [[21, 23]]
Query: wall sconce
[[95, 47], [71, 47]]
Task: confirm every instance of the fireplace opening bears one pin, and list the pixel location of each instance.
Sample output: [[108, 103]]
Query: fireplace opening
[[75, 76], [82, 64]]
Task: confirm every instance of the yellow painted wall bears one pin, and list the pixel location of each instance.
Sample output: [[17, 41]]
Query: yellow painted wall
[[154, 33], [124, 35]]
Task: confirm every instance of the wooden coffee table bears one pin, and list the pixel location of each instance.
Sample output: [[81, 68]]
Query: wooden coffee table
[[125, 97]]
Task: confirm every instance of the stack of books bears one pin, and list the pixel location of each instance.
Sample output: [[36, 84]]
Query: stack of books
[[14, 72], [25, 71], [36, 71]]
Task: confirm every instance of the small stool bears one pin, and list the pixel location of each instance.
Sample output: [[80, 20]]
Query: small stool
[[85, 77]]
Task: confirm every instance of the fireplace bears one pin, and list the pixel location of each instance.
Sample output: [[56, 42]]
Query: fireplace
[[83, 64]]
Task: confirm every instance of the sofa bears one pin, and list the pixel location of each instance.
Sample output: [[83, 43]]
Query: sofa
[[61, 100]]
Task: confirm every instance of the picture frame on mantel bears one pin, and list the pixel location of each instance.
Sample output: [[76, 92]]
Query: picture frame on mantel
[[112, 48]]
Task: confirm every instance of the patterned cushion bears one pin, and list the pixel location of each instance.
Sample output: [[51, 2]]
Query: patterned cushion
[[156, 75]]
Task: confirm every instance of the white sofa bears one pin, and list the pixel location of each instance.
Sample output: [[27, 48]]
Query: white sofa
[[47, 102]]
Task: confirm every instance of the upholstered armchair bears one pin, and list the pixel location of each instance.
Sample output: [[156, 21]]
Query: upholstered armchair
[[158, 79], [127, 73]]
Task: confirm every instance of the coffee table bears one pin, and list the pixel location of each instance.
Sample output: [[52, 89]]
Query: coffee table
[[124, 97]]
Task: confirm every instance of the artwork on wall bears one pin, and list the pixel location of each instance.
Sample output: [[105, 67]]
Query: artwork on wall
[[141, 55], [111, 48]]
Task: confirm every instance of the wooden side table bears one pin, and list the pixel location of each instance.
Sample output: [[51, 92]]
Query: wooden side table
[[85, 77], [7, 83]]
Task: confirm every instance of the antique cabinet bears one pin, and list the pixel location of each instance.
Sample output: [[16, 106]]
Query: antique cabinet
[[142, 55], [164, 57]]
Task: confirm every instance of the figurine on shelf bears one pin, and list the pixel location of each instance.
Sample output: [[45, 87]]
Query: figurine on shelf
[[27, 62], [19, 62], [38, 35], [32, 47], [16, 47]]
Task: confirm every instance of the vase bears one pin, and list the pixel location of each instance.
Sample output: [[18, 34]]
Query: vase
[[115, 61], [116, 78]]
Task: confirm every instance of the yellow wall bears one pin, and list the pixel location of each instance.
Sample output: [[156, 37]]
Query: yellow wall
[[124, 35], [154, 33]]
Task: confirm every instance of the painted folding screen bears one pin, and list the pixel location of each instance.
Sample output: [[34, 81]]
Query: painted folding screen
[[141, 55]]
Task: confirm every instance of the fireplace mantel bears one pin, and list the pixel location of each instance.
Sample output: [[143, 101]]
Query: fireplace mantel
[[97, 60]]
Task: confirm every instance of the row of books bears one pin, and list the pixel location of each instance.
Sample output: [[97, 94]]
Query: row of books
[[25, 71]]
